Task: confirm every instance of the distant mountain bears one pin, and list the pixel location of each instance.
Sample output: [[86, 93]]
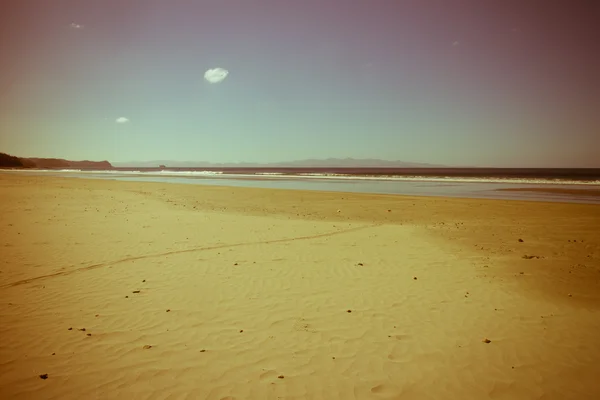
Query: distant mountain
[[357, 163], [316, 163], [8, 161]]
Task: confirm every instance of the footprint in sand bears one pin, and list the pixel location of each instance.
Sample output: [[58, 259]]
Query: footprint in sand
[[269, 376], [384, 389]]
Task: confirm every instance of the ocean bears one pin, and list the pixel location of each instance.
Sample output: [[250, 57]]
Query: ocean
[[556, 185]]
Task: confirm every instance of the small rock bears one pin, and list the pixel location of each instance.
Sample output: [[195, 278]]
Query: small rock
[[522, 273], [486, 340], [360, 264], [235, 263], [126, 297], [415, 278], [70, 329], [281, 377], [53, 354], [44, 376], [89, 334], [241, 330], [147, 346], [144, 281], [82, 329], [97, 315], [168, 310], [520, 240], [349, 311], [570, 295], [202, 351], [135, 291]]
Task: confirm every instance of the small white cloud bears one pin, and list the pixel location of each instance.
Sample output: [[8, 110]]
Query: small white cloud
[[215, 75], [456, 43], [122, 120], [73, 25]]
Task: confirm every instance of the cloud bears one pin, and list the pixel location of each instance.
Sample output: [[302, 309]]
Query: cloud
[[73, 25], [122, 120], [456, 43], [215, 75]]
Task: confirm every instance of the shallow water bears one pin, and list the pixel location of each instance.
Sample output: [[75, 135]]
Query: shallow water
[[481, 190]]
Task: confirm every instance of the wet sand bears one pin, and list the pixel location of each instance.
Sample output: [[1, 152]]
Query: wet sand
[[149, 290], [578, 192]]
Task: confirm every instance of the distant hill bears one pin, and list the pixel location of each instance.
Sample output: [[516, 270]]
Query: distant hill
[[8, 161], [316, 163]]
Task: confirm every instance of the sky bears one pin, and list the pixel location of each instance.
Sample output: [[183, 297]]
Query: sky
[[512, 83]]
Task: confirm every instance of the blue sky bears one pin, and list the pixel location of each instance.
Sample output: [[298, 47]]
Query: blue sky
[[509, 83]]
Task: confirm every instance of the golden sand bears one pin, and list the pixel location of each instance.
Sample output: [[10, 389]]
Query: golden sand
[[126, 290]]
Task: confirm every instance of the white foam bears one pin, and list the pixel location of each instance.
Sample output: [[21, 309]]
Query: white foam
[[320, 176]]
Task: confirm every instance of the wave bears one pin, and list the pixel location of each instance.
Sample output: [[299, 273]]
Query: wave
[[320, 176]]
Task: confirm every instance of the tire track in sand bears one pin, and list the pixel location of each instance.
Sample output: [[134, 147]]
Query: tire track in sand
[[194, 249]]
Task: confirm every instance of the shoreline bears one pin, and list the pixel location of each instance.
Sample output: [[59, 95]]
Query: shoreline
[[416, 189], [583, 192], [345, 295]]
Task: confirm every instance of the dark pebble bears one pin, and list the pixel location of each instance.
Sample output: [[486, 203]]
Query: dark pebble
[[44, 376]]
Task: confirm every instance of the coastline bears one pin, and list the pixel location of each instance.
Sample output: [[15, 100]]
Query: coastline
[[580, 192], [262, 280], [561, 191]]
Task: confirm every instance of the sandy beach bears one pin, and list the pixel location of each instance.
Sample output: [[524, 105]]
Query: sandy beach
[[129, 290]]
